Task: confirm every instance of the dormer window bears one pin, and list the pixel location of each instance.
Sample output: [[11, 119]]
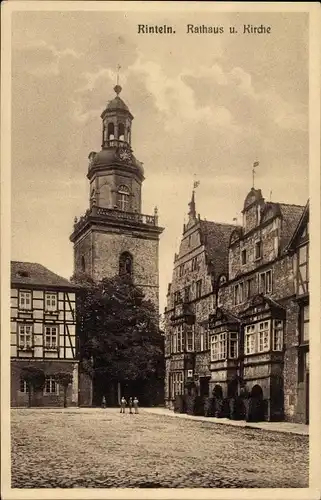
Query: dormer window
[[123, 195], [23, 274]]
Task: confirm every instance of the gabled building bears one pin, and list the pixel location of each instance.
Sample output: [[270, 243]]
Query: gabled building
[[43, 333], [200, 265], [296, 371], [255, 323]]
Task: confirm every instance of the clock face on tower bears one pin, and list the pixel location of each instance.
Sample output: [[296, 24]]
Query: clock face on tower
[[124, 154]]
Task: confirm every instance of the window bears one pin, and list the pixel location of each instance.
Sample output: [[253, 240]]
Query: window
[[258, 250], [264, 336], [177, 298], [51, 386], [24, 300], [111, 131], [265, 284], [51, 302], [83, 264], [204, 339], [51, 337], [23, 386], [25, 337], [233, 345], [198, 292], [189, 240], [249, 339], [125, 264], [218, 347], [194, 264], [174, 349], [187, 293], [250, 287], [257, 337], [123, 195], [176, 383], [277, 344], [238, 293], [190, 340], [304, 327], [121, 132], [180, 345], [181, 270], [243, 257]]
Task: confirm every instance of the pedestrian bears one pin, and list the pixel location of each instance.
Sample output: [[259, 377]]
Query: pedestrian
[[130, 405], [136, 404], [123, 403]]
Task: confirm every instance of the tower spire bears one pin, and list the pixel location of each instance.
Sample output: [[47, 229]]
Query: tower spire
[[192, 207]]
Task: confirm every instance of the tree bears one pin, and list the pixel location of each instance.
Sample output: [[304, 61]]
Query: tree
[[119, 330], [64, 379], [35, 379]]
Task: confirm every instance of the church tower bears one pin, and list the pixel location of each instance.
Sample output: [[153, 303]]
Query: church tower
[[114, 237]]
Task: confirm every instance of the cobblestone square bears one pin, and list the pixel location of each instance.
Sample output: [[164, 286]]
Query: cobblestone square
[[101, 448]]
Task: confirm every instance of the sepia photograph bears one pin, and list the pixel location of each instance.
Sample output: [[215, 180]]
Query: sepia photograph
[[159, 183]]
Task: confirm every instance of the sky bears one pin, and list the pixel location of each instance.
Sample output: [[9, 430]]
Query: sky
[[205, 106]]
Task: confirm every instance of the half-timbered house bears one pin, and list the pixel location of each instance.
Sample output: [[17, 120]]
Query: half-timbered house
[[296, 365], [43, 334]]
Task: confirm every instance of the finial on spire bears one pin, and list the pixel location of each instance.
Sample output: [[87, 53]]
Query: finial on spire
[[117, 87]]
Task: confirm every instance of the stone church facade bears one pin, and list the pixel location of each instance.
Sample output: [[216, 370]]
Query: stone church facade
[[257, 316], [114, 237]]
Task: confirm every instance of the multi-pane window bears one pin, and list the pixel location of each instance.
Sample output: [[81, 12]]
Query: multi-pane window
[[24, 300], [174, 340], [177, 298], [23, 386], [250, 339], [190, 339], [243, 257], [265, 283], [176, 383], [198, 292], [51, 337], [303, 269], [181, 270], [51, 302], [219, 346], [258, 250], [180, 344], [51, 386], [123, 195], [258, 335], [264, 336], [233, 352], [187, 293], [25, 336], [277, 339], [305, 318], [238, 293]]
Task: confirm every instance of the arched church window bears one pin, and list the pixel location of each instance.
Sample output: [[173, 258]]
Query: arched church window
[[111, 131], [105, 134], [83, 264], [121, 132], [123, 195], [126, 264]]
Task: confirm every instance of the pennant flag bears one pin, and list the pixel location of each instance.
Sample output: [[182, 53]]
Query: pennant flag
[[196, 184], [256, 164]]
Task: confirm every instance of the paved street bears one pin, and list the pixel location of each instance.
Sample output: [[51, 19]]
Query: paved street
[[76, 448]]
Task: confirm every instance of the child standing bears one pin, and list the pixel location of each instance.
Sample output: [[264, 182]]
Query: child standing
[[136, 404], [130, 404], [122, 405]]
